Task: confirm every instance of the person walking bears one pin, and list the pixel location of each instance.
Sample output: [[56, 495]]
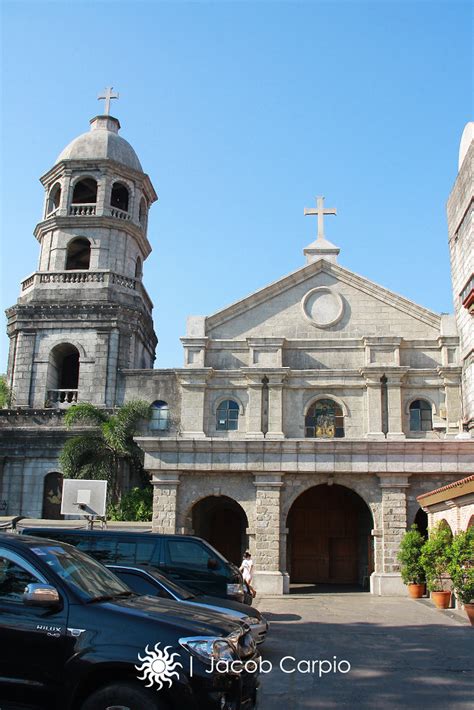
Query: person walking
[[247, 568]]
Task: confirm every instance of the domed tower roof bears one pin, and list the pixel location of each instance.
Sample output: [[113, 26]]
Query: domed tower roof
[[102, 142]]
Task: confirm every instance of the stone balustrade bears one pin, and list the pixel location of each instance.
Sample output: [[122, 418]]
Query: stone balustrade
[[86, 210], [61, 398], [42, 279], [119, 214]]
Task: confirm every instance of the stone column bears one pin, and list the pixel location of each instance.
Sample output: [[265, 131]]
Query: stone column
[[254, 407], [98, 378], [394, 403], [23, 370], [165, 495], [388, 581], [275, 406], [268, 578], [374, 404], [193, 384], [452, 390]]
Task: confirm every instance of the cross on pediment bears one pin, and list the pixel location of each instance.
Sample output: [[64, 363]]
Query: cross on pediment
[[320, 211], [108, 95]]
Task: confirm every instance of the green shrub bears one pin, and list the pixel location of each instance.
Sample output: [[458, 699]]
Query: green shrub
[[436, 557], [409, 557], [461, 565], [136, 505]]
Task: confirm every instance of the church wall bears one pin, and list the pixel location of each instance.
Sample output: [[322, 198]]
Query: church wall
[[461, 247]]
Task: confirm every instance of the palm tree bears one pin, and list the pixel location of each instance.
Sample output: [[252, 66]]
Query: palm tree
[[100, 452]]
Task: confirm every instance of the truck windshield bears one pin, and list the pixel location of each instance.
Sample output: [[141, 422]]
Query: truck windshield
[[87, 577]]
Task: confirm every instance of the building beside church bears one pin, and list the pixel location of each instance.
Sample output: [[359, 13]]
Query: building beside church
[[307, 418]]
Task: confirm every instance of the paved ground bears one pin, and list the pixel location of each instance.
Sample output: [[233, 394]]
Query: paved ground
[[403, 653]]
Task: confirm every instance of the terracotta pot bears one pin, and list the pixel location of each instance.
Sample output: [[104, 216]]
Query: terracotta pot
[[469, 608], [441, 599], [416, 591]]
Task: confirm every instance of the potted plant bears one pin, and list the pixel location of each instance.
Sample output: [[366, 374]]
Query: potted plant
[[461, 569], [411, 569], [435, 558]]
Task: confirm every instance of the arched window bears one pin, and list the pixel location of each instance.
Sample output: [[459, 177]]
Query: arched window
[[227, 416], [119, 197], [421, 418], [52, 493], [470, 523], [85, 192], [324, 420], [63, 375], [142, 213], [78, 254], [54, 198], [138, 268], [160, 416]]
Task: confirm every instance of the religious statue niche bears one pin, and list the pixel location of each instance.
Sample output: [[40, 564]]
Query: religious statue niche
[[324, 420]]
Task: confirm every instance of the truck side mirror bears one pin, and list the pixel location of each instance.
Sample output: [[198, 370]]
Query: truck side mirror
[[43, 595], [212, 563]]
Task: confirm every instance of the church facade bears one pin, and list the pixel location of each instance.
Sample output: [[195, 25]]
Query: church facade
[[308, 416]]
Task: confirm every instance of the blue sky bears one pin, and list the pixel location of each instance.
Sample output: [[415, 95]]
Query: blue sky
[[241, 113]]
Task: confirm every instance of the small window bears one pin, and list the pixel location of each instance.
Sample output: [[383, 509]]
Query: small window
[[142, 213], [54, 198], [160, 416], [421, 416], [138, 268], [119, 197], [78, 254], [227, 416], [324, 420], [85, 192]]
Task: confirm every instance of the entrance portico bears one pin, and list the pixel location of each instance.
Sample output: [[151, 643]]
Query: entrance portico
[[267, 478]]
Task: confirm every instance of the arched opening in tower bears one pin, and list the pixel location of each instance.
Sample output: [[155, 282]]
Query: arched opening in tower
[[78, 254]]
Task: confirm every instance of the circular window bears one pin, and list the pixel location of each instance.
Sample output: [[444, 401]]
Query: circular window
[[323, 307]]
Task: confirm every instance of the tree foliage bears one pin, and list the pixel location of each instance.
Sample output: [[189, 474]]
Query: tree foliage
[[100, 451], [461, 565], [5, 394], [436, 557], [409, 556]]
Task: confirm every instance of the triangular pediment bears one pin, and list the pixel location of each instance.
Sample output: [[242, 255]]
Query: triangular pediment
[[280, 309]]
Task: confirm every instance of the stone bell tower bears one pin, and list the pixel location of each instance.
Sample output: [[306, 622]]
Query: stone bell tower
[[85, 314]]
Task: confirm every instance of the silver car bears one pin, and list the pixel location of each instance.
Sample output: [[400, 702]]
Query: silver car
[[146, 579]]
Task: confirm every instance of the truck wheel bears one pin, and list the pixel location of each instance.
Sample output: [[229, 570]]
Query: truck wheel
[[125, 696]]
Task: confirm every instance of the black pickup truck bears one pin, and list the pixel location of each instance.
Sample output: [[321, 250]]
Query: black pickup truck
[[74, 636]]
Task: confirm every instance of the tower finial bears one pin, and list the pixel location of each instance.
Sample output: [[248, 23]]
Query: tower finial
[[108, 94]]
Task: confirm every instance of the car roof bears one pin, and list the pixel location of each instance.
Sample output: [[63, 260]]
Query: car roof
[[28, 540], [120, 533]]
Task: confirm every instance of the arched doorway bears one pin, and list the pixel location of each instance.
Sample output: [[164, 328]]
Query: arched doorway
[[329, 540], [52, 492], [421, 522], [222, 522]]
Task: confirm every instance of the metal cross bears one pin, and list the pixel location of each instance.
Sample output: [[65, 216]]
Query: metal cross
[[320, 211], [108, 95]]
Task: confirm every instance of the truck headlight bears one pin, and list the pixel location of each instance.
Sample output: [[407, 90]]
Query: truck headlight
[[251, 620], [208, 647], [233, 589]]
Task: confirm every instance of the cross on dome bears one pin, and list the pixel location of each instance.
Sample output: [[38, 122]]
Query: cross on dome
[[320, 211], [108, 95]]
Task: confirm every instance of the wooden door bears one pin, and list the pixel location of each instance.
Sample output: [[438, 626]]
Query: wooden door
[[324, 535], [226, 534]]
